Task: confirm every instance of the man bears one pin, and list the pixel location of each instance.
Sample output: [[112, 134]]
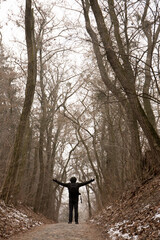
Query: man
[[73, 188]]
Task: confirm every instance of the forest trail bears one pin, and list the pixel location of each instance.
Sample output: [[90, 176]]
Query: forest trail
[[61, 231]]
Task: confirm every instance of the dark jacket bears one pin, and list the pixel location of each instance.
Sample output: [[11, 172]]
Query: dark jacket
[[69, 185]]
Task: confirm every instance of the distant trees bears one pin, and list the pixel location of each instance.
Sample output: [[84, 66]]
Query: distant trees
[[10, 106], [48, 135], [44, 140]]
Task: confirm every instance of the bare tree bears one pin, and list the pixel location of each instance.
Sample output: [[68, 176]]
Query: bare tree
[[12, 182], [120, 62], [10, 106]]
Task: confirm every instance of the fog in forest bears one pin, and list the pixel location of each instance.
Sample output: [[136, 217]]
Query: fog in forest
[[79, 96]]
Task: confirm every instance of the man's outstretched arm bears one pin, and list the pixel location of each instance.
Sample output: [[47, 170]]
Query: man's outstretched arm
[[85, 183], [60, 183]]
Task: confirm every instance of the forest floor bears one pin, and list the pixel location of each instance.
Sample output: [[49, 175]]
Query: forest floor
[[136, 216]]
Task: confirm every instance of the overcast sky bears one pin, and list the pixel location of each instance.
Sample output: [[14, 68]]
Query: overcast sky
[[9, 30], [9, 9]]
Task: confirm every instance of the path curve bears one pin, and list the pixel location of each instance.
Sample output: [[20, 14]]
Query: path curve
[[61, 231]]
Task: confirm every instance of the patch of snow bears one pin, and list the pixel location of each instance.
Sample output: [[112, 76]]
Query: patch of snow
[[131, 225], [2, 210], [92, 220], [139, 228], [37, 224], [98, 223], [108, 207], [115, 232], [18, 215], [157, 215], [2, 203], [24, 228], [121, 223], [146, 207]]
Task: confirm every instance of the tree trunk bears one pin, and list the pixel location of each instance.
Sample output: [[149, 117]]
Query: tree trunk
[[33, 180], [39, 192], [125, 75], [48, 184], [42, 136], [131, 119], [89, 203], [11, 176]]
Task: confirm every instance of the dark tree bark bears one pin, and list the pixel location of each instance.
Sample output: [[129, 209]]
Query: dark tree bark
[[12, 172], [48, 184], [124, 73], [132, 121], [151, 42], [41, 141]]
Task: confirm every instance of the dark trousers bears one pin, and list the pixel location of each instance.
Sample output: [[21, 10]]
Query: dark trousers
[[73, 205]]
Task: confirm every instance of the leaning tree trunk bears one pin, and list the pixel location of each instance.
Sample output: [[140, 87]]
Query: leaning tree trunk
[[132, 121], [124, 73], [12, 172]]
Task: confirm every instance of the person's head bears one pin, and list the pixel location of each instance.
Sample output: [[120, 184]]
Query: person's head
[[73, 179]]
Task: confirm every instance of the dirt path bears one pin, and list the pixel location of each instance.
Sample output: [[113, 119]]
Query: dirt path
[[61, 231]]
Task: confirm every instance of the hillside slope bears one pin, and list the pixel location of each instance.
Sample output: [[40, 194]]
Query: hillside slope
[[18, 219], [136, 216]]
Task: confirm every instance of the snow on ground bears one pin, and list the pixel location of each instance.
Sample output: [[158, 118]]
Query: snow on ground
[[124, 229], [116, 231], [14, 220], [133, 217], [157, 215]]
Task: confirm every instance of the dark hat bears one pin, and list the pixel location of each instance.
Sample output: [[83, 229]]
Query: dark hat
[[73, 179]]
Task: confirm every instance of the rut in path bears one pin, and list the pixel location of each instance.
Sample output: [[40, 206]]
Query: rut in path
[[61, 231]]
